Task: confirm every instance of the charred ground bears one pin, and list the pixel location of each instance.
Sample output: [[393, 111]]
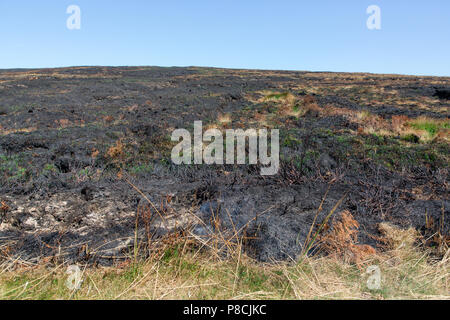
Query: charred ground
[[72, 140]]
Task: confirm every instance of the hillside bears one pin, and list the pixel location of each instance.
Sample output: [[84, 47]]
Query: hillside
[[85, 158]]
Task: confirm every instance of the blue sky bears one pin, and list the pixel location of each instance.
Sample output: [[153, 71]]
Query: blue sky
[[321, 35]]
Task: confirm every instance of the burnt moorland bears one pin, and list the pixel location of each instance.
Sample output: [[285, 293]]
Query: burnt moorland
[[85, 158]]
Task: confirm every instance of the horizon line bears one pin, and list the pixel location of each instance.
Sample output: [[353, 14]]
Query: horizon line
[[217, 67]]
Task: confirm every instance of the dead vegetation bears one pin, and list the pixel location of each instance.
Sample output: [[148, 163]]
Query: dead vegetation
[[422, 128], [341, 240], [382, 138], [182, 265], [116, 152], [292, 106], [182, 268]]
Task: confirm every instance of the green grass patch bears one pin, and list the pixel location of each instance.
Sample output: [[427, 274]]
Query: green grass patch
[[430, 126], [12, 168], [277, 96]]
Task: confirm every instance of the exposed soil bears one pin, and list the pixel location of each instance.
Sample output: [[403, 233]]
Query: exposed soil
[[70, 138]]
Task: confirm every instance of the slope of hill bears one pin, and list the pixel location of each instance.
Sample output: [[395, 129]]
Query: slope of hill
[[85, 159]]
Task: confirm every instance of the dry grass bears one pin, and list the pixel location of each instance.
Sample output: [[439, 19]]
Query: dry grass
[[183, 269], [341, 241], [224, 118], [285, 101], [292, 106], [428, 128], [425, 129], [223, 121], [116, 152], [108, 119], [36, 75], [17, 130]]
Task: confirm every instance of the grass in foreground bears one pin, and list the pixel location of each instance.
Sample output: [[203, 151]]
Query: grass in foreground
[[180, 272]]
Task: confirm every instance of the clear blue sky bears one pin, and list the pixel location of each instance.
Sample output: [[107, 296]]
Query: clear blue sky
[[321, 35]]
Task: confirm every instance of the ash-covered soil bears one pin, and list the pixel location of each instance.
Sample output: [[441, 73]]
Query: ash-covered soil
[[74, 141]]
